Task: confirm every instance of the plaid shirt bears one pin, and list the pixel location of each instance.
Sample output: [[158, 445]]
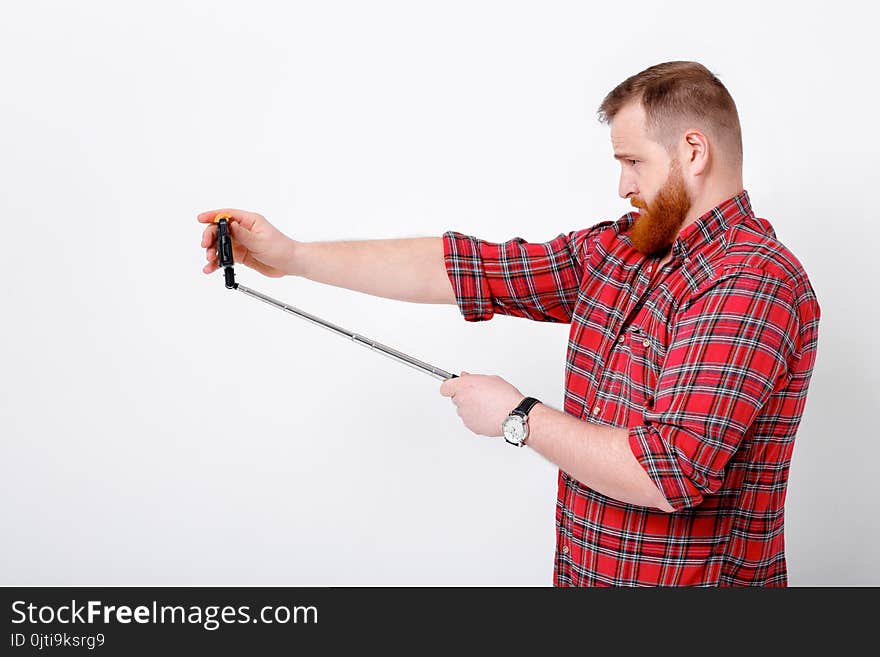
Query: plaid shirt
[[706, 362]]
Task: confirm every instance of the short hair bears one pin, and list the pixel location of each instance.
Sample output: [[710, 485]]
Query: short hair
[[677, 96]]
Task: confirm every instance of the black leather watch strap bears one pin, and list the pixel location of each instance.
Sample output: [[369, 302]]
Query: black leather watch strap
[[525, 406]]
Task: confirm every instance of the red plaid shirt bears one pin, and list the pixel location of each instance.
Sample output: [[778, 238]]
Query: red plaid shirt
[[706, 362]]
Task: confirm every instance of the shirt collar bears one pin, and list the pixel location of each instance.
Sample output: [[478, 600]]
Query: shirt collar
[[712, 224]]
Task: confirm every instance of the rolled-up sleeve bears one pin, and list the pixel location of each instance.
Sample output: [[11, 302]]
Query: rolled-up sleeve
[[731, 347], [537, 281]]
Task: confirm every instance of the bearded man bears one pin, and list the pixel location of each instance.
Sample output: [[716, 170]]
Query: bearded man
[[692, 343]]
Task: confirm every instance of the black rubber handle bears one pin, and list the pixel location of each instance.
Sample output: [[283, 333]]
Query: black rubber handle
[[224, 252], [224, 244]]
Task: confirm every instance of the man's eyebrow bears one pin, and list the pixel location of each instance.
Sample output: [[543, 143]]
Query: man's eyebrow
[[623, 156]]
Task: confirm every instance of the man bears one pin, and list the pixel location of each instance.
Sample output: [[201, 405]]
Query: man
[[693, 337]]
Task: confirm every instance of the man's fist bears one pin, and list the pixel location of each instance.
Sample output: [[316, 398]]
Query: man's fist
[[255, 243], [482, 401]]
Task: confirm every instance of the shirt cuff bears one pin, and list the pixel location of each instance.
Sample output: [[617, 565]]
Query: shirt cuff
[[464, 266], [658, 460]]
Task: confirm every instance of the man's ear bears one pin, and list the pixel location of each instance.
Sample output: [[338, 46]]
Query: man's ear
[[696, 151]]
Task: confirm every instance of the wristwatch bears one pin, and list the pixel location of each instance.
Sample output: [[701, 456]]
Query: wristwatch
[[516, 425]]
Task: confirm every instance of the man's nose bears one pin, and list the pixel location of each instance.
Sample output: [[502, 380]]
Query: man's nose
[[626, 187], [625, 190]]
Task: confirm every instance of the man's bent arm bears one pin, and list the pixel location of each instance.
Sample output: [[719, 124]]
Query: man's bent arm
[[597, 456], [409, 269]]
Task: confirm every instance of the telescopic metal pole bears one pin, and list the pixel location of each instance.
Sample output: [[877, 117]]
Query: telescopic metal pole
[[224, 253]]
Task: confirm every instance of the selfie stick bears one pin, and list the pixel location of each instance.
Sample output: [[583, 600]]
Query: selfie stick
[[224, 255]]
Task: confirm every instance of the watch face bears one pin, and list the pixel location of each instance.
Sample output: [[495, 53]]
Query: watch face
[[514, 429]]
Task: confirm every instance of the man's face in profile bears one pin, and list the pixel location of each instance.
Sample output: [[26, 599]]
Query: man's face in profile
[[651, 180]]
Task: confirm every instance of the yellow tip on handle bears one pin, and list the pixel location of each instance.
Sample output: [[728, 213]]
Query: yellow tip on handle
[[222, 215]]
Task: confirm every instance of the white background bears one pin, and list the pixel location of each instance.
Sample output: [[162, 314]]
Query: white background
[[159, 429]]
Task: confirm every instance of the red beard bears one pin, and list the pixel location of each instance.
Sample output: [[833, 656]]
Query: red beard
[[657, 226]]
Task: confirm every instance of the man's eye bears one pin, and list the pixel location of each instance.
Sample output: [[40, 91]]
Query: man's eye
[[633, 162]]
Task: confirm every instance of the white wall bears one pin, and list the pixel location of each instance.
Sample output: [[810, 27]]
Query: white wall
[[158, 429]]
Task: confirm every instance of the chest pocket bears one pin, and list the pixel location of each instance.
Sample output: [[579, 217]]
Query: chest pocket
[[647, 342]]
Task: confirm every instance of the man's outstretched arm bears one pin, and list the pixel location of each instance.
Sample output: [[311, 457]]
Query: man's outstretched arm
[[408, 269]]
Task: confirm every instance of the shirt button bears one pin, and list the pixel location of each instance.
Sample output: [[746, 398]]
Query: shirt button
[[621, 339], [646, 343], [649, 268], [564, 549], [596, 410]]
